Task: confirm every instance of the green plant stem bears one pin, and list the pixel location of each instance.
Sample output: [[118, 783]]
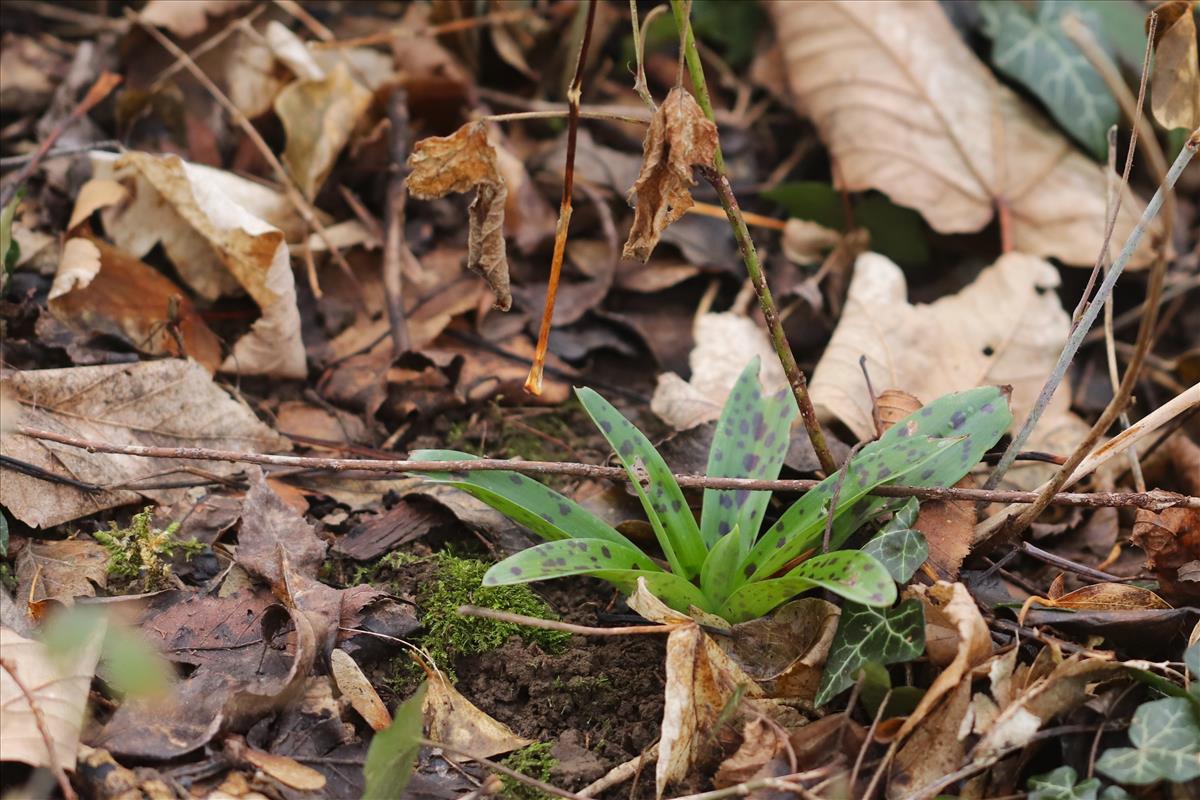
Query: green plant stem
[[720, 182]]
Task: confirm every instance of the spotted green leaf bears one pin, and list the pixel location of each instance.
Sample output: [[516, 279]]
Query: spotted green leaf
[[544, 511], [750, 441], [799, 529], [716, 576], [1166, 745], [897, 546], [676, 528], [870, 635], [394, 749], [851, 574]]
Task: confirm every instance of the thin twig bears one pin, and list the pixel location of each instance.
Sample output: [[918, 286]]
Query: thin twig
[[204, 47], [454, 26], [533, 382], [58, 152], [567, 627], [1155, 500], [516, 116], [503, 770], [1069, 565], [60, 774], [100, 90], [783, 783], [837, 493], [393, 221], [639, 45], [622, 772]]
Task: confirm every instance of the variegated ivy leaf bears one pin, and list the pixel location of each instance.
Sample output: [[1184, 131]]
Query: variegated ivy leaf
[[1062, 784], [799, 530], [851, 574], [750, 441], [544, 511], [979, 415], [897, 546], [669, 515], [1166, 745], [865, 635]]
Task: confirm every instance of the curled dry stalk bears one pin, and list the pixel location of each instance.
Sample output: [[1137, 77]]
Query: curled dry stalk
[[533, 383], [720, 182]]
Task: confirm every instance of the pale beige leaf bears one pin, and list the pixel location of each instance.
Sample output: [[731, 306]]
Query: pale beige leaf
[[354, 685], [96, 194], [907, 108], [186, 18], [318, 117], [80, 263], [217, 229], [460, 162], [60, 689], [291, 50], [452, 719], [1175, 87], [286, 770], [806, 242], [166, 403], [680, 137]]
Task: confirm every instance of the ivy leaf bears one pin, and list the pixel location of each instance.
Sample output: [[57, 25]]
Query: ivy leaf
[[1036, 51], [871, 635], [547, 513], [897, 546], [851, 574], [1166, 745], [750, 441], [1191, 657], [393, 750], [1060, 784], [668, 512]]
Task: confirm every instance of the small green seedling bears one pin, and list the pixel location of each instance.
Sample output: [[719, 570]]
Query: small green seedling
[[722, 565]]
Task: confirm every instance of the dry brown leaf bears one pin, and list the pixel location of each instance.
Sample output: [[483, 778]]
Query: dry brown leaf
[[94, 195], [318, 117], [936, 747], [462, 161], [1107, 597], [1006, 327], [61, 571], [950, 606], [186, 18], [286, 770], [291, 50], [1175, 87], [786, 650], [906, 108], [762, 741], [725, 344], [59, 687], [354, 685], [1171, 541], [163, 403], [452, 719], [217, 230], [101, 290], [680, 137]]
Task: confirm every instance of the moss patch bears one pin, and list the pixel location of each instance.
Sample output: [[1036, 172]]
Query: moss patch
[[139, 557], [534, 761]]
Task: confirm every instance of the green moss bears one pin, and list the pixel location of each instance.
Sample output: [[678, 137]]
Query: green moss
[[385, 564], [142, 552], [533, 761]]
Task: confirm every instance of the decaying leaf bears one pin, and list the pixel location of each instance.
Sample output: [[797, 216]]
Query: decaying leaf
[[1175, 86], [680, 137], [1171, 541], [354, 685], [163, 403], [935, 748], [319, 116], [59, 687], [456, 721], [218, 231], [784, 652], [916, 115], [460, 162], [61, 571], [1102, 597]]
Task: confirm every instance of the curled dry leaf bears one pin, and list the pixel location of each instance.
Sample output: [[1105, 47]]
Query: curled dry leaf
[[454, 720], [217, 229], [906, 108], [1102, 597], [1175, 87], [318, 117], [1171, 541], [680, 137], [462, 161]]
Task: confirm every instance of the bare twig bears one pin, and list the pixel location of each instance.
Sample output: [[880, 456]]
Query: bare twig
[[516, 116], [621, 773], [533, 383], [210, 43], [1155, 500], [503, 770], [100, 90], [783, 783], [491, 18], [639, 46], [1067, 564], [567, 627], [58, 152], [393, 220], [60, 774]]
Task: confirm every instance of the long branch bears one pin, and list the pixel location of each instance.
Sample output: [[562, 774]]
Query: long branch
[[1155, 500]]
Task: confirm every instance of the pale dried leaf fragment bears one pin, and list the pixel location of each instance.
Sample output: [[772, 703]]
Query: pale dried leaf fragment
[[94, 195], [907, 108], [1175, 87], [291, 50], [286, 770], [680, 137], [462, 161], [354, 686], [318, 117], [452, 719], [186, 18]]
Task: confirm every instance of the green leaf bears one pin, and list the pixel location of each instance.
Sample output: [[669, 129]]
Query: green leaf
[[877, 688], [666, 508], [1060, 784], [1035, 51], [871, 635], [750, 441], [716, 576], [394, 749], [810, 200], [896, 231], [567, 557], [897, 546], [1166, 745], [733, 25], [851, 574], [799, 530], [1191, 657], [547, 513]]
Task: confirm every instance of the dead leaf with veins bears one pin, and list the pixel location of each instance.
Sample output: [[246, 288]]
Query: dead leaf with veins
[[452, 719], [60, 571], [355, 686], [907, 108], [680, 137], [1175, 86], [460, 162]]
